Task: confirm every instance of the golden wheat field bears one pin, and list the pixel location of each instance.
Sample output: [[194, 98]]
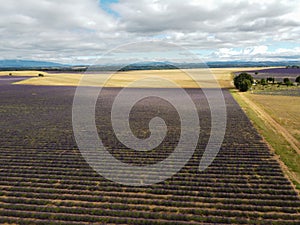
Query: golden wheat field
[[188, 78]]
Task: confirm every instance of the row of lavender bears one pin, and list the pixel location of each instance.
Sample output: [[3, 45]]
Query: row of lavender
[[44, 179]]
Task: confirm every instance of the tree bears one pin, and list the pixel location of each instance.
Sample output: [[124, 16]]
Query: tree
[[271, 79], [287, 82], [263, 82], [238, 80], [298, 79], [245, 85]]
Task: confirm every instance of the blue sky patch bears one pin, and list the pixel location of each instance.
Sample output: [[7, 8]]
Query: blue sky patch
[[105, 5]]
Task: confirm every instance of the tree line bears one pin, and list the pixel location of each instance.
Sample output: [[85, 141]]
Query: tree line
[[244, 81]]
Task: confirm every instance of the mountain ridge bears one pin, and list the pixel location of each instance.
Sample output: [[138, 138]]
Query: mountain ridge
[[148, 65], [15, 63]]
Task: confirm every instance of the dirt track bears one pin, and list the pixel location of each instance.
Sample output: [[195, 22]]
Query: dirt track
[[276, 126]]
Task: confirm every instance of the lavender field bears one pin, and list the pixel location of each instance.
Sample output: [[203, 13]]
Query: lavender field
[[278, 73], [280, 92], [45, 180]]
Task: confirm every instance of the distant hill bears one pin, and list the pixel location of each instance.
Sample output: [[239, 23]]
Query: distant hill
[[12, 63], [186, 65], [251, 63], [57, 67], [150, 66]]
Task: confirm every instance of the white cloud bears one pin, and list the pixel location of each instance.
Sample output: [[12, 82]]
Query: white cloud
[[249, 52], [63, 30], [256, 53]]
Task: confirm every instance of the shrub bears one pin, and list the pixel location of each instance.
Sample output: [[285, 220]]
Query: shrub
[[263, 82], [286, 80], [41, 75], [289, 83], [271, 79], [298, 79]]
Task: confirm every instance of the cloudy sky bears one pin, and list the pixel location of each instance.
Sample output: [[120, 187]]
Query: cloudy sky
[[78, 31]]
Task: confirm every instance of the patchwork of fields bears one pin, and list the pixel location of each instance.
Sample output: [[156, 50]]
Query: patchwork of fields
[[123, 79], [277, 73], [45, 180]]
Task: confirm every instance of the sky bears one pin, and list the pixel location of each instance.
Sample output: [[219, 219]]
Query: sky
[[81, 31]]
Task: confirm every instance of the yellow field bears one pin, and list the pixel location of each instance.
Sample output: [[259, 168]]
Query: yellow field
[[285, 110], [26, 73], [184, 78]]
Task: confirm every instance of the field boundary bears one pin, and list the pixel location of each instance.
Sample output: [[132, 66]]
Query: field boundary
[[265, 128], [276, 126]]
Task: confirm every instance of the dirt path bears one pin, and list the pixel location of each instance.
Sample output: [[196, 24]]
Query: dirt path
[[272, 124], [276, 126]]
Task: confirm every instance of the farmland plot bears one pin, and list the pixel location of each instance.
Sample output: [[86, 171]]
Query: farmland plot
[[45, 180], [277, 73]]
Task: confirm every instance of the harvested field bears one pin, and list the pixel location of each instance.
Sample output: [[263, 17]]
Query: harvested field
[[122, 79], [284, 109]]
